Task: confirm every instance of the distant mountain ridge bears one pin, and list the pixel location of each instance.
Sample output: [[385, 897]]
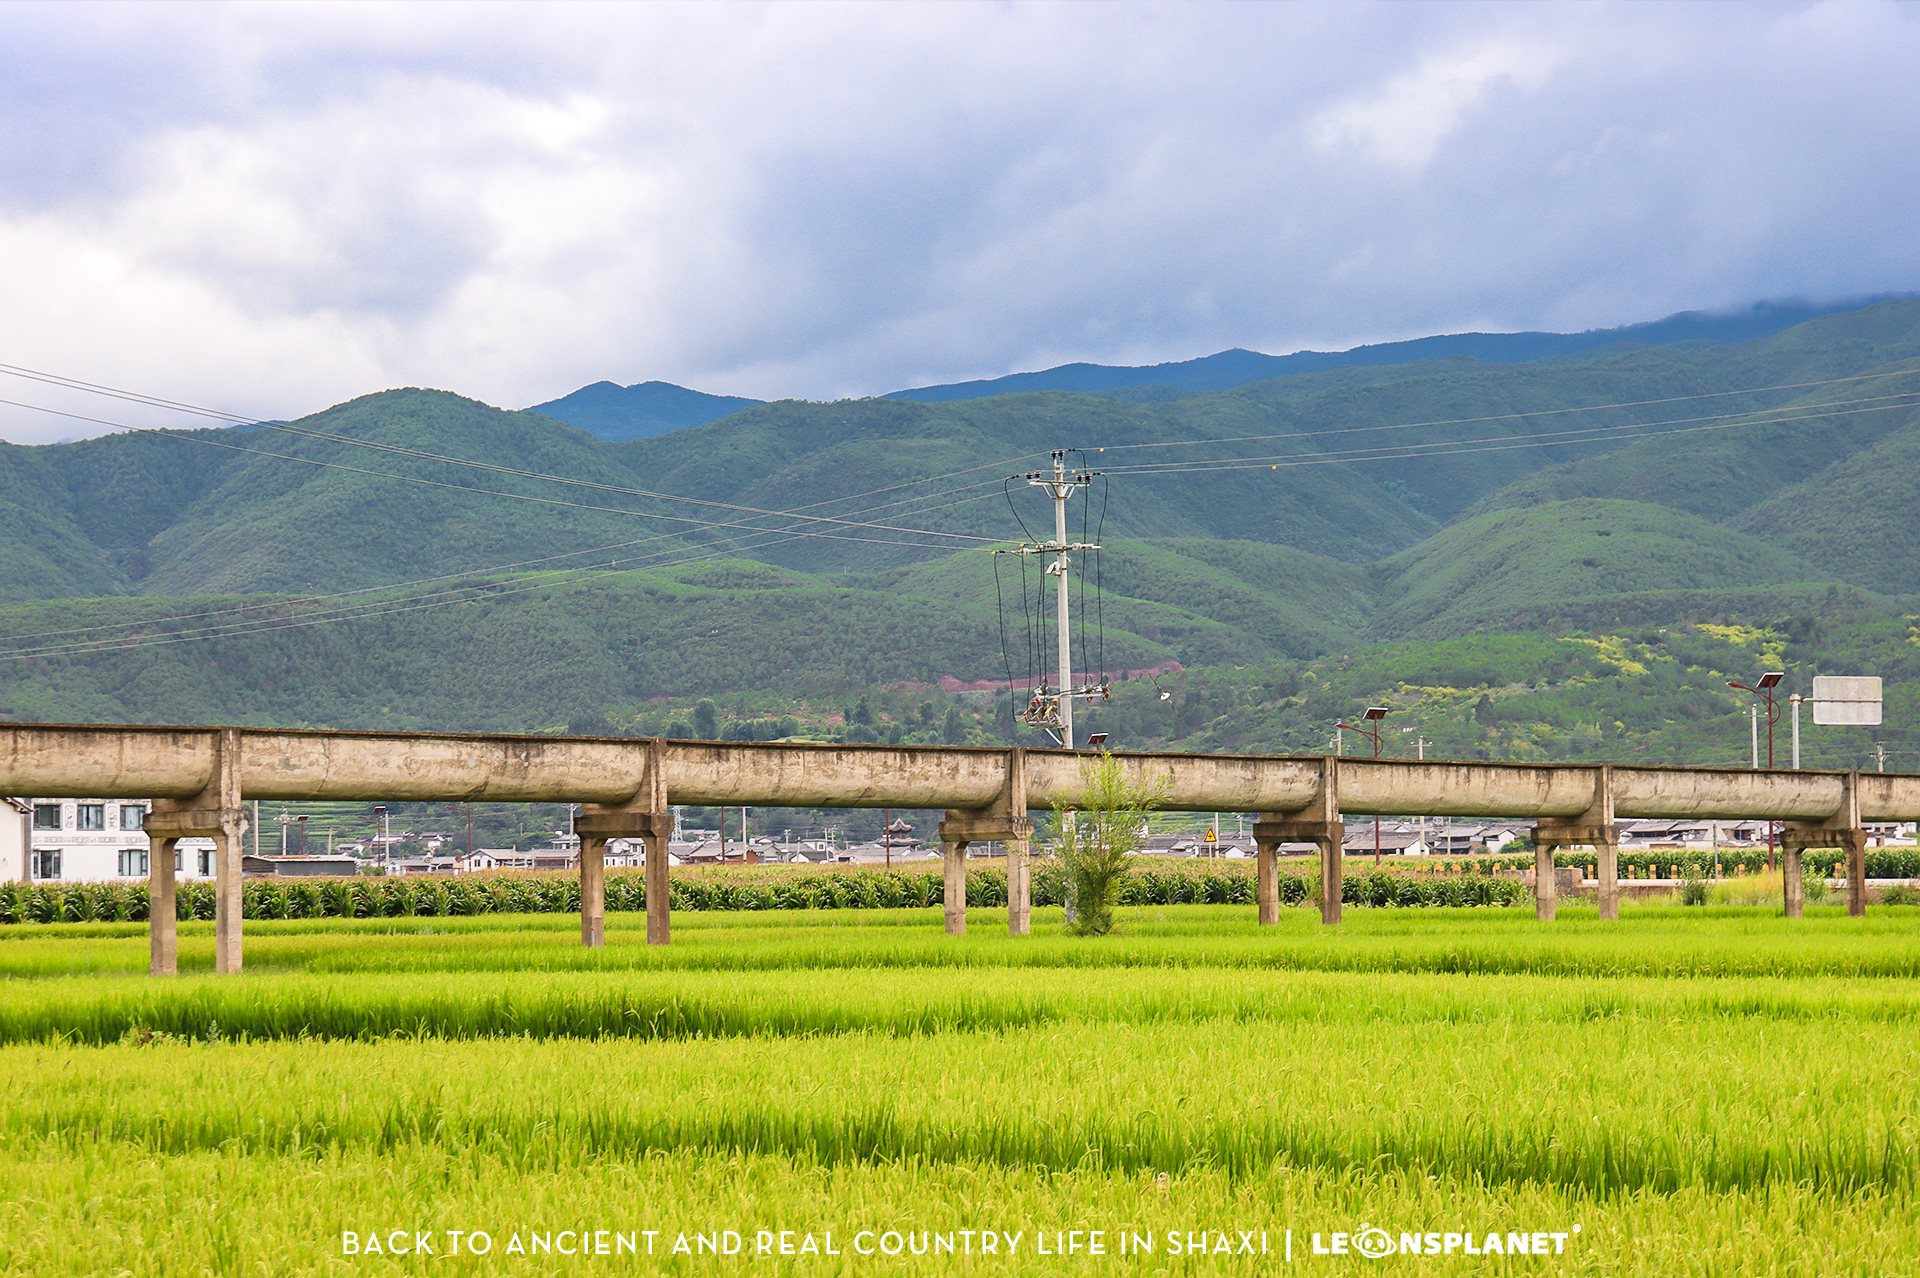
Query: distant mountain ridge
[[1231, 368], [646, 409], [641, 411]]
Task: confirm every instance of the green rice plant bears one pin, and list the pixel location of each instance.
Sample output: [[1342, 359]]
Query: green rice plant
[[1081, 1102], [852, 1069], [100, 1206], [694, 1004], [1718, 941]]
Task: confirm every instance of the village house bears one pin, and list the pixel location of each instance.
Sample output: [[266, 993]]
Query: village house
[[88, 841]]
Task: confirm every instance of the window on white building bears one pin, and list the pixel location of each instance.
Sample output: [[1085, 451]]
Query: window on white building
[[46, 863], [131, 815], [92, 816], [206, 863], [46, 816], [133, 862]]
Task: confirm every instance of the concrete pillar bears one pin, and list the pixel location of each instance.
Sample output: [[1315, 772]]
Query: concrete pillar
[[1331, 873], [229, 841], [1545, 889], [593, 891], [659, 931], [1269, 893], [1608, 855], [1856, 873], [1793, 889], [1019, 889], [163, 910], [953, 856]]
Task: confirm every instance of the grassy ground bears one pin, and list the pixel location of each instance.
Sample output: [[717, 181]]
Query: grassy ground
[[1699, 1091]]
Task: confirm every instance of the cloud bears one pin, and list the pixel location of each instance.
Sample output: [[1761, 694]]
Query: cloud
[[275, 207], [1406, 121]]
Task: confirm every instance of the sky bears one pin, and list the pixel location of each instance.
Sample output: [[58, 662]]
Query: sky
[[272, 208]]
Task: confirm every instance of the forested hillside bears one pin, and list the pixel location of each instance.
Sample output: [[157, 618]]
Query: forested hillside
[[1354, 464], [416, 559], [772, 656]]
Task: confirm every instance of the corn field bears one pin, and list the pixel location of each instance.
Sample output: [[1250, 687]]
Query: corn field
[[363, 898]]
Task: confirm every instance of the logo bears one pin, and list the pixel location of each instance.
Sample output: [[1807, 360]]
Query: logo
[[1376, 1243]]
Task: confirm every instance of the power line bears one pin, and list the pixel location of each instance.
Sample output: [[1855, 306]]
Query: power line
[[237, 419], [371, 610], [328, 436], [285, 601], [1034, 639], [1501, 417], [545, 501], [1286, 460]]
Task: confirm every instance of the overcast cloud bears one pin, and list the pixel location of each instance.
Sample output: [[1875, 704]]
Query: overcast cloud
[[273, 208]]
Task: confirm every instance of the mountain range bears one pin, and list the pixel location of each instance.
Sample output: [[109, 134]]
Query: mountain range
[[616, 412], [416, 558]]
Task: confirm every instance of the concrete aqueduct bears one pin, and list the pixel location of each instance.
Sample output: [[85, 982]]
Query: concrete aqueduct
[[200, 779]]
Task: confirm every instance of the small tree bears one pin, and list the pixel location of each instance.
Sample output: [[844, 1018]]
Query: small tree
[[1098, 836]]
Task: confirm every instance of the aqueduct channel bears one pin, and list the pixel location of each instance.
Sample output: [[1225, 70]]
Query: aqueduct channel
[[201, 778]]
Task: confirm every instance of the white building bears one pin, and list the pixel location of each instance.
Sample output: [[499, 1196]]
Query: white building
[[88, 841], [16, 816]]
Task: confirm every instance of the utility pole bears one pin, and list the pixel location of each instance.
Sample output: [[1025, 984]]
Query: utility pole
[[1795, 700], [886, 833], [1753, 716], [1420, 744], [1056, 713], [1880, 752]]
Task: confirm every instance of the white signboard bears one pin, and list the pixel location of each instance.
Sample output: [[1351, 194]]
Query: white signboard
[[1841, 699]]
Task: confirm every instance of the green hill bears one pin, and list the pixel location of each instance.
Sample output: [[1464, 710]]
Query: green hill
[[1856, 521], [1259, 528], [1352, 464], [1478, 573], [501, 653]]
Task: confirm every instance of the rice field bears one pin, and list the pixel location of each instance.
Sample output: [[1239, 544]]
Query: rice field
[[1710, 1090]]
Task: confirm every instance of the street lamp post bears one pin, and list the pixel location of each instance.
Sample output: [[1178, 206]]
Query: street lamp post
[[1372, 718], [1763, 687], [386, 844]]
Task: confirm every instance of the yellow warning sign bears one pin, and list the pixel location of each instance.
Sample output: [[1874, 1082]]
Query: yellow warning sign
[[1211, 837]]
